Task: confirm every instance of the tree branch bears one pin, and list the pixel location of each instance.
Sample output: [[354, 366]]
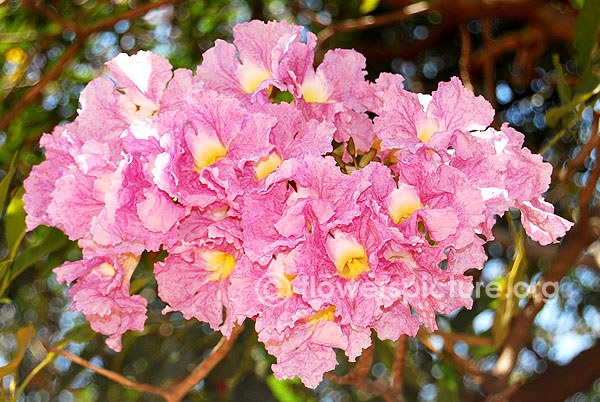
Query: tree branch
[[111, 375], [177, 392], [536, 251], [489, 64], [37, 88], [559, 382], [585, 151], [51, 15], [395, 392], [129, 14], [588, 190], [473, 340], [464, 64], [462, 365], [358, 376], [369, 21]]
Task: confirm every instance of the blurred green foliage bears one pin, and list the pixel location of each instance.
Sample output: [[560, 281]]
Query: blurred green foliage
[[563, 94]]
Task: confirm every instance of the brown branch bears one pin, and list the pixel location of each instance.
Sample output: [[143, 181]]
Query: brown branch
[[111, 375], [129, 14], [560, 382], [536, 251], [177, 392], [51, 15], [510, 42], [395, 392], [37, 88], [585, 151], [489, 64], [361, 370], [473, 340], [558, 26], [464, 64], [588, 190], [527, 57], [376, 52], [544, 24], [464, 366], [358, 376], [369, 21], [70, 53]]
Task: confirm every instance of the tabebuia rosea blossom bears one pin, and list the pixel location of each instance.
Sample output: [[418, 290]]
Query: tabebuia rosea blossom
[[349, 207]]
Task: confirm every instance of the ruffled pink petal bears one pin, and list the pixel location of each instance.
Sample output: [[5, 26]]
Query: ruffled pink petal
[[101, 292], [219, 67], [541, 224], [143, 75], [457, 108]]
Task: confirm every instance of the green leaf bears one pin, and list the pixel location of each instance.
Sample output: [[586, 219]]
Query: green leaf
[[15, 222], [284, 390], [4, 265], [81, 333], [283, 96], [482, 351], [586, 32], [589, 85], [564, 92], [555, 115], [508, 300], [448, 385], [368, 5], [54, 240], [138, 283], [24, 337], [5, 183]]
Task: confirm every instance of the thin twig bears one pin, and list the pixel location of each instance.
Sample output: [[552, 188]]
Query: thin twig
[[358, 376], [368, 21], [111, 375], [127, 15], [175, 393], [464, 366], [376, 388], [536, 251], [37, 88], [464, 64], [395, 393], [47, 360], [51, 15], [489, 64], [362, 368], [585, 151], [472, 340], [588, 190]]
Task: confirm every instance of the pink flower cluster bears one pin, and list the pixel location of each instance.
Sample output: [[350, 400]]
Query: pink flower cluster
[[261, 217]]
